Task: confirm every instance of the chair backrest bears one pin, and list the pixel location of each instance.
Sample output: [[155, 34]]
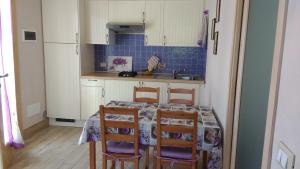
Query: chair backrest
[[182, 129], [180, 100], [146, 90], [105, 124]]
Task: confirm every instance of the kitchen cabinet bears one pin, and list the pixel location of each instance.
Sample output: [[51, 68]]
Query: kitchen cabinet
[[61, 21], [186, 86], [96, 20], [92, 95], [154, 23], [62, 80], [126, 11], [182, 22], [162, 94], [119, 90]]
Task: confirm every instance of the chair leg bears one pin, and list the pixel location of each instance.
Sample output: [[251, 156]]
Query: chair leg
[[113, 164], [158, 164], [104, 162], [122, 165], [136, 163], [154, 162], [194, 165], [147, 158]]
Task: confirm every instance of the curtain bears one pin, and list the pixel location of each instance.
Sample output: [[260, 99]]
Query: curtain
[[11, 130]]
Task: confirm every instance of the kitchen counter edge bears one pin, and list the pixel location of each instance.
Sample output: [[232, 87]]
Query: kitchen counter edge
[[149, 78]]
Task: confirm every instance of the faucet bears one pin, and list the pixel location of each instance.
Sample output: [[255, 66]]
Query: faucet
[[174, 73]]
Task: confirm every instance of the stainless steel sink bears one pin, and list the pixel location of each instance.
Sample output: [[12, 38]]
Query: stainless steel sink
[[178, 77], [184, 77]]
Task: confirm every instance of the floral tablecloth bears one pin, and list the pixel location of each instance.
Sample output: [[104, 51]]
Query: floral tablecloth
[[209, 131]]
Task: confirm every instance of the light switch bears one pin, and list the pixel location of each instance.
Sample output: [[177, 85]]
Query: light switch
[[284, 160], [103, 64], [279, 154], [285, 157]]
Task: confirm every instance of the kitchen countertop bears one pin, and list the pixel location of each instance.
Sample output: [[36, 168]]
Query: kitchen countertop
[[150, 78]]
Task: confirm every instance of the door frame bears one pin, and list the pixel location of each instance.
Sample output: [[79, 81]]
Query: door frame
[[240, 29], [244, 8], [274, 83], [6, 151]]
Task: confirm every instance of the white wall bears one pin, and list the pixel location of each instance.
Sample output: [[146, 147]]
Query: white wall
[[31, 60], [288, 113], [218, 66]]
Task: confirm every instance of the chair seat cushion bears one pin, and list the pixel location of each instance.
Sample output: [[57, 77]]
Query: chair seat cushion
[[176, 152], [123, 148]]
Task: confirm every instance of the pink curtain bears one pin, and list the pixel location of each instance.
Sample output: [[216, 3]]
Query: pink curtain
[[12, 134]]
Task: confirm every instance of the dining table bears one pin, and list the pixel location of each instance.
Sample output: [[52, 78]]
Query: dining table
[[209, 131]]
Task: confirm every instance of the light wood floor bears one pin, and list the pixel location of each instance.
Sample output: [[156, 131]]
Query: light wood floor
[[55, 148]]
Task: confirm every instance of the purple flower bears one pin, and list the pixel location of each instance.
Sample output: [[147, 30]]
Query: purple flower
[[119, 61]]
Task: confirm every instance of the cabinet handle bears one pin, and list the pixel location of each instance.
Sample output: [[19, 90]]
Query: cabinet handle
[[77, 49], [165, 37], [3, 76], [92, 80], [77, 37], [106, 36], [146, 39], [103, 92], [143, 17]]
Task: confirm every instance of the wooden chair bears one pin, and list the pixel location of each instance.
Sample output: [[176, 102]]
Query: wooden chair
[[146, 90], [121, 147], [181, 91], [174, 151]]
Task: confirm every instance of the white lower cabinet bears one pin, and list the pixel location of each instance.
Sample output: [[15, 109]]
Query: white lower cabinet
[[119, 90], [92, 95], [186, 86], [163, 90], [95, 92]]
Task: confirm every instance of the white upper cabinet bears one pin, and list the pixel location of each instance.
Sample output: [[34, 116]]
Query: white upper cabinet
[[60, 21], [154, 23], [96, 20], [182, 22], [126, 11]]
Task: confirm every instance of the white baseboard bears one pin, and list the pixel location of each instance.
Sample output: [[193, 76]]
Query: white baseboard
[[77, 123]]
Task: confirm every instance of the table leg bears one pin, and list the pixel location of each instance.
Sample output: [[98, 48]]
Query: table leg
[[205, 159], [92, 146]]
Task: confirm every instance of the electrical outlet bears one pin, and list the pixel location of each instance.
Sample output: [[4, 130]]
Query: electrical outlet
[[103, 64], [33, 109]]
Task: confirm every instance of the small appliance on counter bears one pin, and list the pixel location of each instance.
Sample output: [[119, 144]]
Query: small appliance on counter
[[127, 74]]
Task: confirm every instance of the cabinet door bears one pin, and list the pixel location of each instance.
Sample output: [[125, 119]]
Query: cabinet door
[[182, 22], [186, 86], [163, 90], [91, 98], [96, 20], [119, 90], [60, 21], [154, 23], [126, 11], [62, 80]]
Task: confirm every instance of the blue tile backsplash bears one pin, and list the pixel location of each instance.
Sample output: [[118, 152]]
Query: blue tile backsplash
[[190, 60]]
